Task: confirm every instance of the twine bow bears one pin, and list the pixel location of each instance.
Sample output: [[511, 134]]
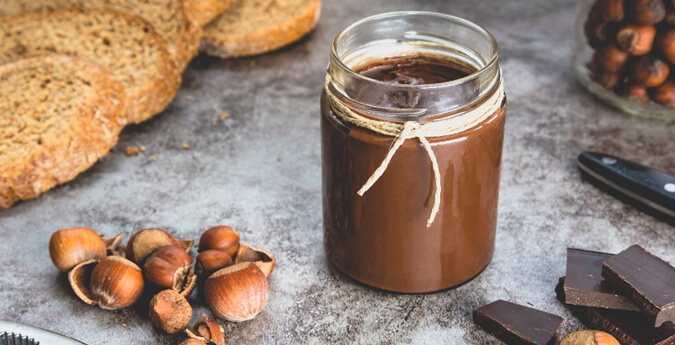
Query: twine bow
[[411, 130]]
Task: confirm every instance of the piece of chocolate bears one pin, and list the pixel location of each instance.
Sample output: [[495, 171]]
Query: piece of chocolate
[[629, 328], [646, 279], [585, 286], [516, 324]]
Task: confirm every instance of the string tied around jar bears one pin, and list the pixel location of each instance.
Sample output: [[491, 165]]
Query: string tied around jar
[[415, 130]]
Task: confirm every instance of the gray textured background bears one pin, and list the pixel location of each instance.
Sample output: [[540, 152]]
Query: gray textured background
[[266, 183]]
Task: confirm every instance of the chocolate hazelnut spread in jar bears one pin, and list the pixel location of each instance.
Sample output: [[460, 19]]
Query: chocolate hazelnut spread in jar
[[412, 129]]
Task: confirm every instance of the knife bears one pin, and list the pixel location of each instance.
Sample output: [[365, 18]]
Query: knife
[[14, 333], [647, 189]]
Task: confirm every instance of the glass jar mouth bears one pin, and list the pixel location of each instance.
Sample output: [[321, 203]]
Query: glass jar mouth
[[413, 35], [488, 64]]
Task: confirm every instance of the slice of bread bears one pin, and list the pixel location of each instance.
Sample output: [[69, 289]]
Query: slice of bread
[[121, 43], [203, 11], [168, 17], [59, 115], [251, 27]]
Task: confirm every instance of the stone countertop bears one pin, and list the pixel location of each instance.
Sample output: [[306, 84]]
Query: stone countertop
[[259, 171]]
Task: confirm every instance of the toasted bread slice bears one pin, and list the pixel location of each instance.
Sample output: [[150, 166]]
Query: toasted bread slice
[[59, 115], [204, 11], [124, 44], [251, 27], [168, 17]]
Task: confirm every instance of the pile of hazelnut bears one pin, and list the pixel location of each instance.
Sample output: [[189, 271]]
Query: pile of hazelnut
[[634, 42], [232, 277]]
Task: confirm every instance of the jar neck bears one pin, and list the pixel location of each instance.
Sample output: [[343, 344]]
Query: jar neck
[[413, 35]]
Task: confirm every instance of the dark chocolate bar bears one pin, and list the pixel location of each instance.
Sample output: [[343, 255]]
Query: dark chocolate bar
[[629, 328], [585, 286], [646, 279], [516, 324]]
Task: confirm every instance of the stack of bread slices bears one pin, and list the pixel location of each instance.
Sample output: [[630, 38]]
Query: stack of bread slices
[[73, 73]]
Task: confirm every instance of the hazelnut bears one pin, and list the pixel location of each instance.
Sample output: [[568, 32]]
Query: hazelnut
[[670, 17], [608, 80], [79, 278], [116, 283], [636, 39], [637, 93], [649, 71], [210, 330], [588, 338], [237, 293], [263, 259], [645, 12], [598, 32], [210, 261], [170, 312], [170, 267], [665, 44], [143, 243], [608, 10], [665, 94], [69, 247], [220, 237], [610, 58]]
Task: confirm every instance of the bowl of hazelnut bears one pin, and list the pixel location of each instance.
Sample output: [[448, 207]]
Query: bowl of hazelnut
[[625, 54]]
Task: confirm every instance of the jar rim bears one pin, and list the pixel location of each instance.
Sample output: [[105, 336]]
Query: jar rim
[[490, 63]]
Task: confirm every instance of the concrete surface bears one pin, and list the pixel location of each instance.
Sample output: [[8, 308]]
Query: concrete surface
[[259, 171]]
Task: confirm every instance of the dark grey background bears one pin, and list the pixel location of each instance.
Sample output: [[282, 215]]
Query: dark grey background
[[266, 183]]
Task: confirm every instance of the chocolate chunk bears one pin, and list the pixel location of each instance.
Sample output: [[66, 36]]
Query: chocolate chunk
[[646, 279], [629, 328], [585, 286], [516, 324]]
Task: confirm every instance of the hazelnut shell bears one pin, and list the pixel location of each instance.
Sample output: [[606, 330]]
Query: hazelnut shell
[[145, 242], [170, 312], [70, 247], [221, 238], [79, 278], [237, 293], [116, 283], [263, 259], [113, 245], [186, 244], [210, 330]]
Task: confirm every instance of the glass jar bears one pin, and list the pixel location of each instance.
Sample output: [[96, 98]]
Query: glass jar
[[611, 55], [419, 227]]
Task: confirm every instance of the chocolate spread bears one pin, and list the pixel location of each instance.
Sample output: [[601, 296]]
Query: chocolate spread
[[381, 238]]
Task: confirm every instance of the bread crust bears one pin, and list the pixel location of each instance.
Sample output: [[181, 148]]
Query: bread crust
[[264, 40], [184, 44], [64, 151], [149, 98], [204, 11]]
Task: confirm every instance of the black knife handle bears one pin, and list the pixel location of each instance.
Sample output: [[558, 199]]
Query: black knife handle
[[649, 190]]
